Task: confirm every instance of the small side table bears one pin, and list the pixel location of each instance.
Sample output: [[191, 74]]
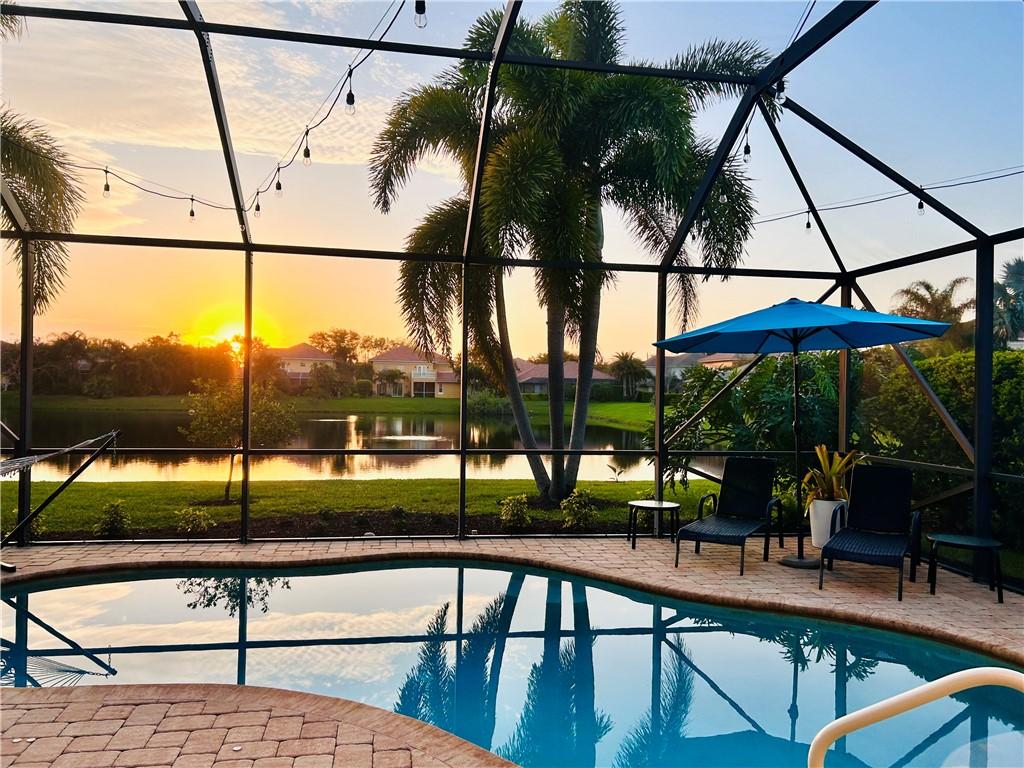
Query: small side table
[[974, 544], [654, 506]]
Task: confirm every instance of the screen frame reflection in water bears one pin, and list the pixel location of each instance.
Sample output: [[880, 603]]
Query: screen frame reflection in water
[[457, 690]]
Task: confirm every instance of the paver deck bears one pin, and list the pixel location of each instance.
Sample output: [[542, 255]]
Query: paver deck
[[963, 613], [216, 726]]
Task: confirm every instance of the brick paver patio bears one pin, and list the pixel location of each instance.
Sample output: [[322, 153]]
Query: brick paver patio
[[221, 726], [962, 612]]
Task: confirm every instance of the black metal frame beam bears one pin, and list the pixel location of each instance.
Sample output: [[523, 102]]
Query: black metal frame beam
[[834, 22], [195, 20], [23, 445], [354, 253], [501, 41], [369, 44], [881, 167]]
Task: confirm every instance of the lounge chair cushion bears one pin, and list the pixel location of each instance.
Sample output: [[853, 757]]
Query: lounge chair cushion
[[867, 547], [719, 529]]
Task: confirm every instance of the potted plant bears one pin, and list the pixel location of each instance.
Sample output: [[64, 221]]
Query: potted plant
[[824, 488]]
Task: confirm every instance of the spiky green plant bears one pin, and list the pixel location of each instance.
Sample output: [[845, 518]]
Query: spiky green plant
[[826, 482]]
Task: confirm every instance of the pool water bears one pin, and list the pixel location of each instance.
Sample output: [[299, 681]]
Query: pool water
[[538, 666]]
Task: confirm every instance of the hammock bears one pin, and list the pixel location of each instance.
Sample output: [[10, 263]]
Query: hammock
[[44, 672], [10, 466]]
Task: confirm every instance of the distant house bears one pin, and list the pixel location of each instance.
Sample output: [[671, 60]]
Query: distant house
[[533, 377], [676, 365], [415, 374], [298, 360]]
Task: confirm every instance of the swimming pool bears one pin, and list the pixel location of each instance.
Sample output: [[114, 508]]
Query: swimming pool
[[554, 670]]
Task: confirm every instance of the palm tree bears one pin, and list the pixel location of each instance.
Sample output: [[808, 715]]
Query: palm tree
[[630, 371], [45, 186], [922, 299], [1009, 309], [564, 145]]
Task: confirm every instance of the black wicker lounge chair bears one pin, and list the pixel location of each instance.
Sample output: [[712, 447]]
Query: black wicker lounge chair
[[880, 527], [742, 508]]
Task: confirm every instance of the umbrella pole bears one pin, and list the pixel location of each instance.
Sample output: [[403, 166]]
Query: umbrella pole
[[798, 560]]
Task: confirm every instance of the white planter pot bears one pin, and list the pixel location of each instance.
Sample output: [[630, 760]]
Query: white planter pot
[[821, 521]]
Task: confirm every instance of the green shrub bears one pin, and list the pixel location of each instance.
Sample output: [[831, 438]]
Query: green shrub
[[115, 522], [36, 528], [483, 402], [193, 520], [364, 388], [100, 386], [579, 510], [514, 512], [397, 511]]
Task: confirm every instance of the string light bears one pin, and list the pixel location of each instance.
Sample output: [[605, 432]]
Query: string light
[[106, 182], [191, 210], [350, 98], [920, 207], [723, 198], [780, 93], [420, 17], [807, 226], [256, 210], [746, 145], [306, 159], [278, 189]]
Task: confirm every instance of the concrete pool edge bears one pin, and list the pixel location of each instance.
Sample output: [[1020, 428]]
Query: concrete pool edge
[[964, 627], [203, 723]]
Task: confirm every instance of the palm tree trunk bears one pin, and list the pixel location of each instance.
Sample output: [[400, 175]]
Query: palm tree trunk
[[583, 693], [588, 356], [508, 609], [231, 472], [556, 397], [515, 396]]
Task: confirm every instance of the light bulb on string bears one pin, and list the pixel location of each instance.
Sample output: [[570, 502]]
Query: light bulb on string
[[350, 98], [256, 210], [807, 226], [780, 93], [920, 207], [420, 16], [278, 189], [306, 159], [723, 198], [106, 183], [746, 145], [191, 210]]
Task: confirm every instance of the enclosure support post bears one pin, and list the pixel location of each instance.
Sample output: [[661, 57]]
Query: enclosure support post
[[984, 290], [659, 396], [243, 628], [24, 445], [191, 10], [508, 23], [846, 300]]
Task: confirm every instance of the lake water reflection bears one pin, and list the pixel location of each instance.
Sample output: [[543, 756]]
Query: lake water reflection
[[159, 429]]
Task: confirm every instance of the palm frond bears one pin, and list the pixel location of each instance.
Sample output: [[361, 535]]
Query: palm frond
[[729, 57], [428, 119], [586, 30], [39, 175]]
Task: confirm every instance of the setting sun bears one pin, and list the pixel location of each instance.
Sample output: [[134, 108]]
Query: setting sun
[[224, 322]]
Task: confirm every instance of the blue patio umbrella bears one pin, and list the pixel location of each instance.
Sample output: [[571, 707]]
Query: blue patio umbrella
[[796, 325]]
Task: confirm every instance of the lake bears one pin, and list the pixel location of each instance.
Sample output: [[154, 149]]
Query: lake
[[151, 429]]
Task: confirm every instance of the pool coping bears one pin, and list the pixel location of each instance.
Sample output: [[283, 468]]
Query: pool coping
[[373, 551], [361, 731]]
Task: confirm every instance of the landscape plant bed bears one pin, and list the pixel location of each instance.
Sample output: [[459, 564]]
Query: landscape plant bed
[[428, 506]]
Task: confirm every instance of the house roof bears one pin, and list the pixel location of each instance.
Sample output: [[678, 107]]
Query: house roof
[[300, 351], [725, 357], [680, 360], [405, 354], [447, 377], [538, 372]]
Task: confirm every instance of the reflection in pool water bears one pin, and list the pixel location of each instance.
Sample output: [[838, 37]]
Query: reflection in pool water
[[543, 668]]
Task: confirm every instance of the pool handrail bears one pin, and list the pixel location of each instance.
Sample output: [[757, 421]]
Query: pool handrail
[[903, 702]]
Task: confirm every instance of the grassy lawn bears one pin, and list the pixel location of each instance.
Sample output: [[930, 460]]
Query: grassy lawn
[[635, 417], [153, 504]]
